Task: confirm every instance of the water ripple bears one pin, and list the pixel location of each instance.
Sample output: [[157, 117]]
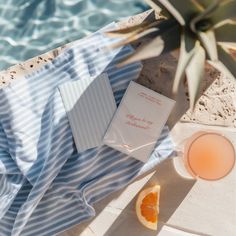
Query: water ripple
[[32, 27]]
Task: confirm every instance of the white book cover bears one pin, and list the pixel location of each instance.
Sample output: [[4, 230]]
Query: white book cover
[[138, 121]]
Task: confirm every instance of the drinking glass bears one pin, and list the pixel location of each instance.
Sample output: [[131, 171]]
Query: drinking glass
[[206, 155]]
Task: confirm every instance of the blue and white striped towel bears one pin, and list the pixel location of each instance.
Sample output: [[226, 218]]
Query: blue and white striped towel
[[46, 186]]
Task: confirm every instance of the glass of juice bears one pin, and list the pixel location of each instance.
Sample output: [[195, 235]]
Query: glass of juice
[[208, 156]]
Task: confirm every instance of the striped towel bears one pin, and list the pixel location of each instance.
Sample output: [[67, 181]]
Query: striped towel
[[46, 185]]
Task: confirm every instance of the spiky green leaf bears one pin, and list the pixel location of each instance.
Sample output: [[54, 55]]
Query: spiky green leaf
[[145, 52], [195, 74], [153, 5], [229, 62], [209, 42], [187, 47], [167, 42], [182, 10], [222, 68], [132, 30], [203, 4], [158, 8], [227, 10], [226, 33], [135, 37], [202, 17], [155, 30]]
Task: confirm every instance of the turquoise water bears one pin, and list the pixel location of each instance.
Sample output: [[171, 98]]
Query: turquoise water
[[32, 27]]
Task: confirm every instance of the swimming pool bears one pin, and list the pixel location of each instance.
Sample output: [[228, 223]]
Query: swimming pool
[[32, 27]]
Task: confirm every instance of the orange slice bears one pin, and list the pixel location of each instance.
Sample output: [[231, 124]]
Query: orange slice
[[147, 207]]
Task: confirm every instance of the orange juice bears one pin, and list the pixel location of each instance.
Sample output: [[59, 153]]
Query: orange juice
[[209, 156]]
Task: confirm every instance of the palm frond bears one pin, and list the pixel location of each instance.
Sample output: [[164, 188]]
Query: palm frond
[[226, 33], [228, 60], [167, 42], [154, 5], [155, 30], [187, 49], [227, 10], [145, 51], [208, 40], [126, 32], [182, 10], [195, 74], [199, 22], [135, 37], [203, 4]]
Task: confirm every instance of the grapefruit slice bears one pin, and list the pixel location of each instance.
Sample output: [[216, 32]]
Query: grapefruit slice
[[147, 207]]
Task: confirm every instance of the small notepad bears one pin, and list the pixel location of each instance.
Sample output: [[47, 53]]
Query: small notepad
[[90, 105], [138, 121]]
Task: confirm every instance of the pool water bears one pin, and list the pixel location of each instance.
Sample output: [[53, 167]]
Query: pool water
[[32, 27]]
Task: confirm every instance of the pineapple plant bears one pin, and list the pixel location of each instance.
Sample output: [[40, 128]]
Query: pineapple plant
[[202, 30]]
